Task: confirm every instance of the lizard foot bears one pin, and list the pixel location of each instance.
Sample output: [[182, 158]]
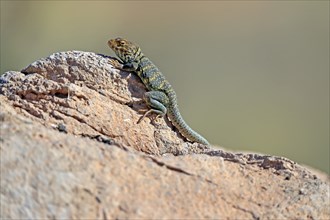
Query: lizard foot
[[115, 63], [147, 112]]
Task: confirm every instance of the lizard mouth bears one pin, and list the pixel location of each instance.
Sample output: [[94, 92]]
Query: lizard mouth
[[111, 43]]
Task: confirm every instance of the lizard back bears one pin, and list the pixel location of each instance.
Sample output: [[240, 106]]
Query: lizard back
[[154, 80]]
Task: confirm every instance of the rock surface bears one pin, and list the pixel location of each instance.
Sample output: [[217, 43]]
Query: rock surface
[[71, 148]]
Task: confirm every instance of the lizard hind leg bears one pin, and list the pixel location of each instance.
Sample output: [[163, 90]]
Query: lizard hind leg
[[157, 101]]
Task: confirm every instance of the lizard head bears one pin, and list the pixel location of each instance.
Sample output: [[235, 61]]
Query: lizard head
[[125, 50]]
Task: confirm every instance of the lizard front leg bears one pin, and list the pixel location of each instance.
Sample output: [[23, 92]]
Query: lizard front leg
[[157, 101], [127, 67]]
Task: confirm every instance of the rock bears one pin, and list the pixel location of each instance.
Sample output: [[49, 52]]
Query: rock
[[71, 148], [83, 92]]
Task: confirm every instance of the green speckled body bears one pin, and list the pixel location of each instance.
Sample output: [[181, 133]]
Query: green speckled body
[[152, 78], [161, 96]]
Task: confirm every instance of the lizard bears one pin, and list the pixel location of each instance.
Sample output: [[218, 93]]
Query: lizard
[[161, 97]]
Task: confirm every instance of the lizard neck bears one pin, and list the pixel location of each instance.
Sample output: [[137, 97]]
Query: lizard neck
[[138, 55]]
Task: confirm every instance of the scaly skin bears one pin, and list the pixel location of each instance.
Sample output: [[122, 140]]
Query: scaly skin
[[161, 97]]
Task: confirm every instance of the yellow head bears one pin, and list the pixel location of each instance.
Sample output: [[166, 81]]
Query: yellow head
[[125, 50]]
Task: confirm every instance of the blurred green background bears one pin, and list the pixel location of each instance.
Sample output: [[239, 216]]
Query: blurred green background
[[250, 75]]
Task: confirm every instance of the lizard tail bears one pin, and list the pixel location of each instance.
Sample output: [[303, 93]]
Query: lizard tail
[[178, 122]]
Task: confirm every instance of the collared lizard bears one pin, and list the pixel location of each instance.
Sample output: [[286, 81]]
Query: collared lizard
[[161, 97]]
